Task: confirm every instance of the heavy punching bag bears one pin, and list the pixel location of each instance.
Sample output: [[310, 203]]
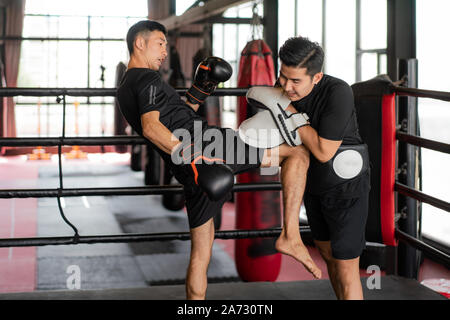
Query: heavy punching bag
[[256, 259], [173, 201], [120, 123]]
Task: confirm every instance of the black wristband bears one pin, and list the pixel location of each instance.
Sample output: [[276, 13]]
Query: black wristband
[[195, 95]]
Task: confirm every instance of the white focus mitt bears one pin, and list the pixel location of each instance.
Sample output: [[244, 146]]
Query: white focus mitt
[[275, 101], [260, 131]]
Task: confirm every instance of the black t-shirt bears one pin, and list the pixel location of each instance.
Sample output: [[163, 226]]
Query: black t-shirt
[[142, 90], [331, 111]]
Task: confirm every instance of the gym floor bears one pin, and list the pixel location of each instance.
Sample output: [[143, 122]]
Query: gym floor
[[152, 270]]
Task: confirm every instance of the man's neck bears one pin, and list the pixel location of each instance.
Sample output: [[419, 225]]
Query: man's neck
[[137, 62]]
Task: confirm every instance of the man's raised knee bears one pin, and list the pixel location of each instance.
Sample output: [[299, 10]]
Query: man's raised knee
[[301, 153]]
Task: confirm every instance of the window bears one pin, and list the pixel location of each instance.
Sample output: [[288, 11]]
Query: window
[[371, 39], [309, 20], [434, 115], [353, 34], [72, 44], [228, 42], [286, 21], [340, 37], [182, 6]]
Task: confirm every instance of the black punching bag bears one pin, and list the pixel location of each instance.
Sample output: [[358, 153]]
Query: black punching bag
[[173, 201], [120, 123]]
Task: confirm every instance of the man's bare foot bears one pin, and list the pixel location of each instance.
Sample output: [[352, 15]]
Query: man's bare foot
[[299, 252]]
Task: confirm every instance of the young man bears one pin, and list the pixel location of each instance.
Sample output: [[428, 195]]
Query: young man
[[338, 180], [156, 112]]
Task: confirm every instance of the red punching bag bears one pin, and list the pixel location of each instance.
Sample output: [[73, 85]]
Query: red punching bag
[[256, 259]]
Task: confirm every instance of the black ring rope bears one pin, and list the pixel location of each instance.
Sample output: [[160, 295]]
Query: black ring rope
[[420, 196], [133, 140], [125, 191], [88, 92], [142, 237], [111, 92], [76, 236], [98, 92], [443, 257], [422, 142], [72, 141], [60, 174], [421, 93]]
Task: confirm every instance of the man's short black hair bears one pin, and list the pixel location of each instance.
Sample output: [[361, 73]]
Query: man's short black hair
[[142, 26], [300, 52]]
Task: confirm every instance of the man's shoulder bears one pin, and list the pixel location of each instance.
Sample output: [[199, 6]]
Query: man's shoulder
[[143, 76], [335, 83], [338, 89], [136, 78]]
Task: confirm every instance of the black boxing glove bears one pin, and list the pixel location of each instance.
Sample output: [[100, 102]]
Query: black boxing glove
[[210, 72], [212, 175]]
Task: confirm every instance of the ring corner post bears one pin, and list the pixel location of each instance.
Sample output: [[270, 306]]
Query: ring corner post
[[408, 157]]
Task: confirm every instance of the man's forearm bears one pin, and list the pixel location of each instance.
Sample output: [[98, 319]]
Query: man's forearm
[[313, 142], [310, 139], [161, 137], [193, 106]]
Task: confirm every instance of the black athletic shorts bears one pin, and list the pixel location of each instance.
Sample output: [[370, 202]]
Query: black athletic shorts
[[340, 221], [238, 155]]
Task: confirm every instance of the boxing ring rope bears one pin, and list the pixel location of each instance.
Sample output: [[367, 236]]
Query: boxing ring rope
[[71, 141], [421, 93], [111, 92], [424, 143], [125, 140], [127, 191], [97, 92], [416, 243], [140, 237], [422, 197]]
